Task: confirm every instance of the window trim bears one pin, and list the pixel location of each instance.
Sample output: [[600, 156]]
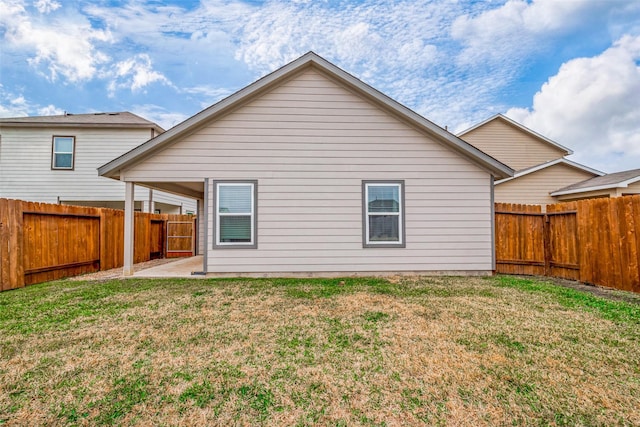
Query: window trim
[[365, 215], [53, 153], [254, 212]]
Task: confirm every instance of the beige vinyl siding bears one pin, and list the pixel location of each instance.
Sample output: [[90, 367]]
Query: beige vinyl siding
[[512, 146], [535, 187], [26, 174], [310, 143], [631, 189]]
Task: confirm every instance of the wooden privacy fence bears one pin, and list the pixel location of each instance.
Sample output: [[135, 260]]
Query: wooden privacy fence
[[593, 241], [41, 242]]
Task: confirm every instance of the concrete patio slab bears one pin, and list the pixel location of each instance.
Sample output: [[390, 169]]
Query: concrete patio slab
[[180, 268]]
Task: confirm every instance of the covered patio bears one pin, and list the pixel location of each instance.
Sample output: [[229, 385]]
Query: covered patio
[[181, 268]]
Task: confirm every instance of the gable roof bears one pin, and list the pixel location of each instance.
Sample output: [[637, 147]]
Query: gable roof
[[562, 160], [262, 85], [521, 127], [613, 180], [123, 119]]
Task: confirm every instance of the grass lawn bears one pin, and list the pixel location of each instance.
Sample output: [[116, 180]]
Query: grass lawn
[[343, 352]]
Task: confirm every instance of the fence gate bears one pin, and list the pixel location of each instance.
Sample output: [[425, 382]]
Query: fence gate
[[180, 238], [536, 243], [157, 235], [520, 243]]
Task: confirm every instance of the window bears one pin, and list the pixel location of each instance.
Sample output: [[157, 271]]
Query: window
[[63, 150], [383, 214], [235, 222]]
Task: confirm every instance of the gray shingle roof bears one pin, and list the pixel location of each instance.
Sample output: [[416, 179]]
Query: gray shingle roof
[[611, 180], [115, 119]]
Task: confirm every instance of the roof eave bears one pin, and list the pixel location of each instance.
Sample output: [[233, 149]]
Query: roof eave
[[80, 125]]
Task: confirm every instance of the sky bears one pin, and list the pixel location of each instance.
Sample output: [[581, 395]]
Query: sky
[[567, 69]]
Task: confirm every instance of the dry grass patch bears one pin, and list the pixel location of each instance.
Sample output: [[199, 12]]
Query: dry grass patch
[[409, 351]]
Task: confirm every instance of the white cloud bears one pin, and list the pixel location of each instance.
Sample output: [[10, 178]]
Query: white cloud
[[592, 105], [12, 106], [50, 110], [157, 114], [135, 73], [65, 45], [16, 105], [212, 94], [364, 38], [518, 27], [46, 6]]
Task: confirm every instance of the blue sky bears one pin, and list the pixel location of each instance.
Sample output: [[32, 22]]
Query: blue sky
[[568, 69]]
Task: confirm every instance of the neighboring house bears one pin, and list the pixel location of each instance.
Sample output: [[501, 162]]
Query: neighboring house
[[540, 163], [617, 184], [54, 159], [536, 185], [311, 171]]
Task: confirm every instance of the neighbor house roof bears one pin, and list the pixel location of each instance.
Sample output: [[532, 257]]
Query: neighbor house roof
[[115, 119], [310, 59], [613, 180], [513, 123], [562, 160]]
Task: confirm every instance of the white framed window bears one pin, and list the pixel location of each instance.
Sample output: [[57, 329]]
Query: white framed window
[[235, 214], [63, 152], [383, 214]]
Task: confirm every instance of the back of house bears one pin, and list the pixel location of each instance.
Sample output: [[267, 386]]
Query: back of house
[[310, 171]]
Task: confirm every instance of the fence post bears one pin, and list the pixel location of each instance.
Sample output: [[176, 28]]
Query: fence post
[[4, 245], [546, 242], [16, 261]]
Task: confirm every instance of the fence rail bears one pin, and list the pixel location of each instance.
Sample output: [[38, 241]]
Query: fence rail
[[593, 241], [41, 242]]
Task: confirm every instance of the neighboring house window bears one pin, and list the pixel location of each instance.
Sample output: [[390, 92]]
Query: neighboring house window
[[383, 214], [235, 218], [63, 152]]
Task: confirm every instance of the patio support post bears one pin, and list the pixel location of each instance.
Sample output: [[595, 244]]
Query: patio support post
[[203, 221], [128, 228], [152, 203]]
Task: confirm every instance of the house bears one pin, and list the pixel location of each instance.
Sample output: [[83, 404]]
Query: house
[[617, 184], [541, 165], [309, 171], [54, 159]]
